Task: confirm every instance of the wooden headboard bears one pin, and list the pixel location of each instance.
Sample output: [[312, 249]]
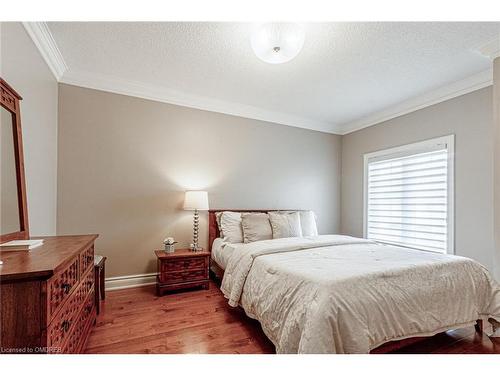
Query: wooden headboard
[[213, 228]]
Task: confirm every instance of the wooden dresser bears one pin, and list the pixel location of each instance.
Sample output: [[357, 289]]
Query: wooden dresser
[[181, 269], [47, 296]]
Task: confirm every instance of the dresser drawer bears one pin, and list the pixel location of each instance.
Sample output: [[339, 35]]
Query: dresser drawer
[[66, 319], [83, 320], [184, 264], [86, 259], [71, 345], [61, 285], [87, 282], [183, 276]]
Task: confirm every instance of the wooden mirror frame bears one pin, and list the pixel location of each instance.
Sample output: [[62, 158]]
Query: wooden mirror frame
[[10, 99]]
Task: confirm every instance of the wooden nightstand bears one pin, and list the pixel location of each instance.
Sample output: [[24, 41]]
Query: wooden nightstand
[[182, 269]]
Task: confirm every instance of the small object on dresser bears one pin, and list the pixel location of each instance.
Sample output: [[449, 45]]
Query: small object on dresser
[[169, 243], [20, 245]]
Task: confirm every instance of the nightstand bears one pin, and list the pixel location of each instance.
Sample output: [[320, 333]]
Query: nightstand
[[181, 269]]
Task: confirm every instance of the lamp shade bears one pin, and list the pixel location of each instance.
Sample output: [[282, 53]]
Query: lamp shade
[[196, 200]]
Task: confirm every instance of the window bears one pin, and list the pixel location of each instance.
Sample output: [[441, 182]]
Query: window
[[408, 195]]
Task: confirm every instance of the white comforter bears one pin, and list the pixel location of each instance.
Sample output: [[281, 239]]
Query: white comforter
[[340, 294]]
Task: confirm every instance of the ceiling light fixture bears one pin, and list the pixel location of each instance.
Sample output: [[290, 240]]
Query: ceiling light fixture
[[277, 43]]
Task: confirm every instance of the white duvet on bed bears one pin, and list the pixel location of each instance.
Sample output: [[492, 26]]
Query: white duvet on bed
[[221, 251], [340, 294]]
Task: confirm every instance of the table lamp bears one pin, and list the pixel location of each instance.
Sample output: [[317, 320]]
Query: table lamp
[[196, 201]]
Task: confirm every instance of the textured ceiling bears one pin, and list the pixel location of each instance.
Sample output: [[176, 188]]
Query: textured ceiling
[[346, 71]]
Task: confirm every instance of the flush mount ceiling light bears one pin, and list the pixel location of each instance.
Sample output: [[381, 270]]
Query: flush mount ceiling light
[[277, 43]]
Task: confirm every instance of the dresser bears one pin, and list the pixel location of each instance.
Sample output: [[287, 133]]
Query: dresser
[[181, 269], [47, 296]]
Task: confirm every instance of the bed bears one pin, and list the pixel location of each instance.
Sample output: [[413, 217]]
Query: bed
[[340, 294]]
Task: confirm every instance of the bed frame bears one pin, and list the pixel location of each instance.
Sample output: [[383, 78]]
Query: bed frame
[[217, 273]]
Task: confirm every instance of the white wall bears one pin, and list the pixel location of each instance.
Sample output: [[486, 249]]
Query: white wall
[[470, 118], [24, 69]]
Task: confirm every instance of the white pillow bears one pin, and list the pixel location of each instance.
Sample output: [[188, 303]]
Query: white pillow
[[308, 223], [230, 224], [256, 227], [285, 224]]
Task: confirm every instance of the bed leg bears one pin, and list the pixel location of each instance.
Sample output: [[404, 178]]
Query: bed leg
[[479, 326]]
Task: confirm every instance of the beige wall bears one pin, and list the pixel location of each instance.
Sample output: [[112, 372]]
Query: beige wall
[[125, 162], [24, 69], [496, 101], [469, 117]]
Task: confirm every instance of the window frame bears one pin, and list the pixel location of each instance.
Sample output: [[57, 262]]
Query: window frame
[[411, 149]]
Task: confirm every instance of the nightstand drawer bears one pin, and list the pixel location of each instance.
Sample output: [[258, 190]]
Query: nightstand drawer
[[183, 276], [184, 264], [181, 269]]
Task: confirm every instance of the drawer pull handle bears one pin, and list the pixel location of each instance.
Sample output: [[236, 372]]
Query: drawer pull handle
[[65, 325], [66, 287]]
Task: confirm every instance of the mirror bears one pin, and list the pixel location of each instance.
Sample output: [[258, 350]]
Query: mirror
[[9, 199], [13, 204]]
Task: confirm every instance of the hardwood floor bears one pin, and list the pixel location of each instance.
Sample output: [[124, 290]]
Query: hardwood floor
[[200, 321]]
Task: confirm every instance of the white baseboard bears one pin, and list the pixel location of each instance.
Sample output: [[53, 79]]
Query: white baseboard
[[129, 281]]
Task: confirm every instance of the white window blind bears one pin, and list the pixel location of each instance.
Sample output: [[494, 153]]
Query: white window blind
[[408, 197]]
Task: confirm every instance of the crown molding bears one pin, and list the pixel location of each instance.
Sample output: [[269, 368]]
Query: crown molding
[[165, 95], [453, 90], [44, 41]]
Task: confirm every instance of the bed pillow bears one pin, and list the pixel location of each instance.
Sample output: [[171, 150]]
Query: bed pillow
[[230, 225], [217, 219], [285, 224], [308, 223], [256, 227]]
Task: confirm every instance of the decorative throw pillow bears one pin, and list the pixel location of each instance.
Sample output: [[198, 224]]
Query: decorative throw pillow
[[217, 219], [285, 224], [308, 223], [230, 223], [256, 227]]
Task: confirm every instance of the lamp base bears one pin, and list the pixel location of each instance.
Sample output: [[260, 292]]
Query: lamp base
[[194, 247]]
